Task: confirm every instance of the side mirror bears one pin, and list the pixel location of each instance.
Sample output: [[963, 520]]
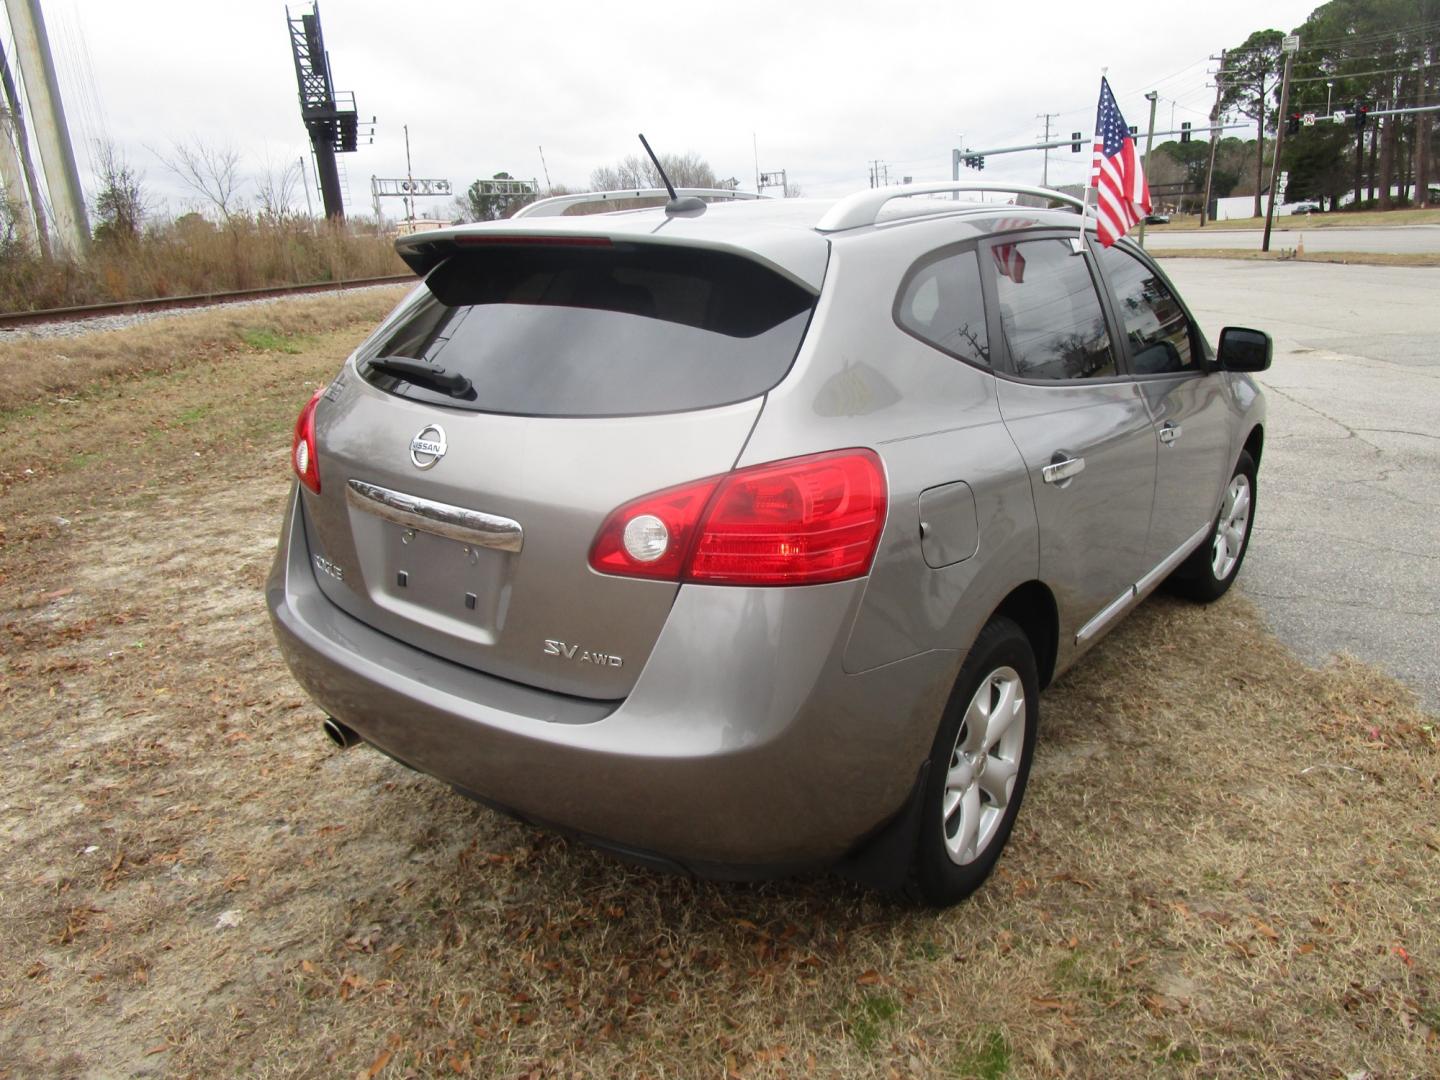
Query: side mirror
[[1242, 349]]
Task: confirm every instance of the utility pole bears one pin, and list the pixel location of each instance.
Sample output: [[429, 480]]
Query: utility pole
[[309, 206], [47, 112], [1214, 136], [1152, 97], [1291, 47], [16, 168], [409, 181], [1045, 169]]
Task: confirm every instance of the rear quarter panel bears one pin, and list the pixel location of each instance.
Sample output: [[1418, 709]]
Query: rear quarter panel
[[862, 381]]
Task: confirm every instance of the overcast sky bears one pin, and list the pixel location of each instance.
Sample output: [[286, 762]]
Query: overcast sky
[[820, 88]]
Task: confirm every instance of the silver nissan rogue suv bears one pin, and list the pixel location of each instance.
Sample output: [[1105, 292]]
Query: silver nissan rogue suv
[[741, 538]]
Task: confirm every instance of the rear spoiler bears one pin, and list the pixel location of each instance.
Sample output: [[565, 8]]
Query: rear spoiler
[[799, 255], [424, 251]]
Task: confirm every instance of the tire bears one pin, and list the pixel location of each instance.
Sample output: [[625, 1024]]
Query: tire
[[1211, 569], [977, 776]]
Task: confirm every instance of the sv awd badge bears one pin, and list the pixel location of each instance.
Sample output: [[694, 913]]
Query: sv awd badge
[[428, 447], [584, 656]]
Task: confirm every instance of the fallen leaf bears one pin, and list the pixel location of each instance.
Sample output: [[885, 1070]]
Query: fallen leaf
[[869, 978], [381, 1060], [1264, 929]]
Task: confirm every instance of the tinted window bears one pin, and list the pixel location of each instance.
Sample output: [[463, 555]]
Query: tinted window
[[942, 305], [1050, 313], [1155, 326], [599, 331]]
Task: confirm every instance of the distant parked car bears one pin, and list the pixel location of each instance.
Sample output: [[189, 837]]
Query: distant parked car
[[1157, 219], [1307, 208], [741, 539]]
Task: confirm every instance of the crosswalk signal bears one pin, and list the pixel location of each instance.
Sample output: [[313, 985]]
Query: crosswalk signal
[[1292, 125], [1074, 142], [1185, 131], [1362, 113]]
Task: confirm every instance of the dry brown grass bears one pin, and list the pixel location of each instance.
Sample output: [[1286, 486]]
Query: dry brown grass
[[1287, 254], [31, 367], [1226, 866], [193, 256], [1354, 219]]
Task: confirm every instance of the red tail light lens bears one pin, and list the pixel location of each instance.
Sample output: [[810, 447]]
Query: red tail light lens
[[302, 447], [677, 511], [803, 521]]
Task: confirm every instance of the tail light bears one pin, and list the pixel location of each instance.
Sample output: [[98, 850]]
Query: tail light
[[302, 448], [803, 521]]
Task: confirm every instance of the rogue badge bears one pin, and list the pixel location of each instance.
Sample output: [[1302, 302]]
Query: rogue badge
[[428, 447]]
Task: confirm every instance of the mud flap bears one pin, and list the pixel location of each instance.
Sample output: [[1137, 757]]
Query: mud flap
[[883, 861]]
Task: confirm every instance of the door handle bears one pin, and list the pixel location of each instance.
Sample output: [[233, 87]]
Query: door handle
[[1169, 432], [1062, 468]]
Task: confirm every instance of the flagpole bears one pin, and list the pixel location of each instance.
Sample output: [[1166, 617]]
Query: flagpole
[[1085, 194]]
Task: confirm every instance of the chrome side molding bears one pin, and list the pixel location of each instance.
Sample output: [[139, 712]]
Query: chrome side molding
[[1113, 610], [442, 519]]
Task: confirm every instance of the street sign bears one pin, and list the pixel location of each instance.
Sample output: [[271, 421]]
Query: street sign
[[1291, 43], [1339, 116], [1308, 119]]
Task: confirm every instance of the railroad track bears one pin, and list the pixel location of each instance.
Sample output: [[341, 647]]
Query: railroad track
[[13, 319]]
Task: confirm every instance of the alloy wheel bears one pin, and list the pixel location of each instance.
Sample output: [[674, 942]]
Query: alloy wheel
[[983, 765]]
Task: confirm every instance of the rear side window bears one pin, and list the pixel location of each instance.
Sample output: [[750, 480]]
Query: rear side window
[[1155, 324], [941, 304], [1054, 326], [599, 331]]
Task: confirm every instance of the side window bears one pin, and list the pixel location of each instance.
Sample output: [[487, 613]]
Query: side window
[[1050, 313], [1156, 327], [942, 305]]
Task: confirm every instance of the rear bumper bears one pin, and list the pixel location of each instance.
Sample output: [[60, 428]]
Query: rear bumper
[[743, 749]]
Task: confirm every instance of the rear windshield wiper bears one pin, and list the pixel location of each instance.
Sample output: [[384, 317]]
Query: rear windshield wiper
[[418, 371]]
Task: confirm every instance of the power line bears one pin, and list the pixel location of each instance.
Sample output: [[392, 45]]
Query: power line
[[1362, 74]]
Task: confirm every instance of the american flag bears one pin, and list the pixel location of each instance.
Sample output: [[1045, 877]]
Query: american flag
[[1008, 260], [1116, 174]]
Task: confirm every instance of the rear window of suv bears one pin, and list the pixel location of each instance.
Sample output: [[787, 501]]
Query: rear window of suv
[[628, 330]]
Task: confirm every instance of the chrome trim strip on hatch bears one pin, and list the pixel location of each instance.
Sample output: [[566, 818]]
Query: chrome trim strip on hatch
[[442, 519]]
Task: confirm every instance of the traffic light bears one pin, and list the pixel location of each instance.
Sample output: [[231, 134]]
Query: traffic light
[[974, 161], [1362, 113], [1074, 142], [1292, 125], [1185, 131], [1134, 131]]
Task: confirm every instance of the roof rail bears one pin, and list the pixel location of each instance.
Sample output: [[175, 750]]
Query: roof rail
[[558, 204], [863, 208]]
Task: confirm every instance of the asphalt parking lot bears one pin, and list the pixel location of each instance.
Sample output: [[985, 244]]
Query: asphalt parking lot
[[1346, 550]]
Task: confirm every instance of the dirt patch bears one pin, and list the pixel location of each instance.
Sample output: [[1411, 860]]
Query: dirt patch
[[1226, 865]]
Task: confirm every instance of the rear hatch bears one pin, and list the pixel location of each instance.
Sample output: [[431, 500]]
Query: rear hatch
[[456, 511]]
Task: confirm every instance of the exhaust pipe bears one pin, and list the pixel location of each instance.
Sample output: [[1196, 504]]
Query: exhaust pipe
[[342, 736]]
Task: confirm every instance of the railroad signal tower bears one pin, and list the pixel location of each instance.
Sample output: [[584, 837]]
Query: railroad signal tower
[[329, 117]]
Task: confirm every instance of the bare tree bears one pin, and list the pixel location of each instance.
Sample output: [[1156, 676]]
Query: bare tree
[[275, 191], [687, 170], [212, 172], [121, 205]]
